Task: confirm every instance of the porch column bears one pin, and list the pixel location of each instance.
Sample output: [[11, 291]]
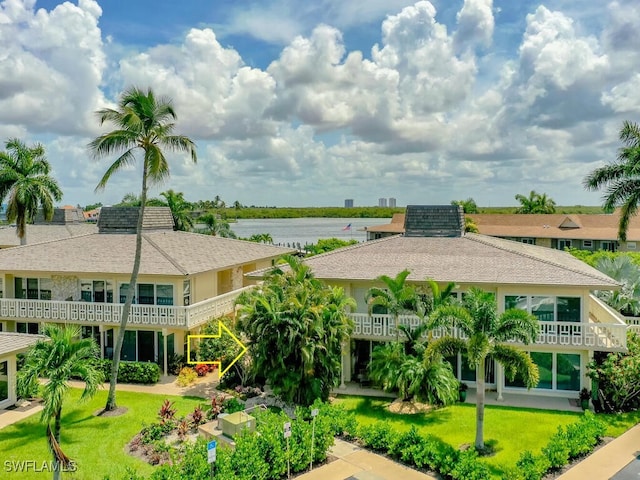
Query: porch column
[[499, 379], [164, 351], [345, 361]]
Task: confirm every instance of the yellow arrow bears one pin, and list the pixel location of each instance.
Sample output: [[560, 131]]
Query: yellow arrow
[[221, 327]]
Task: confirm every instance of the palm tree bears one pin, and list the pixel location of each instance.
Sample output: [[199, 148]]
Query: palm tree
[[216, 226], [25, 180], [621, 178], [486, 330], [535, 203], [305, 322], [59, 359], [621, 268], [397, 298], [180, 210], [142, 122], [468, 206]]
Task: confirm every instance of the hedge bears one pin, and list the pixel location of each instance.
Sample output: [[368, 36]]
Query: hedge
[[132, 372]]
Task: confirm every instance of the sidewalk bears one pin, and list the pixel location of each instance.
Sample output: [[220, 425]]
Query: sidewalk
[[9, 417], [354, 463], [608, 460]]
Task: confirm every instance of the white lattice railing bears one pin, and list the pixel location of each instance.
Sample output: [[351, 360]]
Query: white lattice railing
[[110, 313], [592, 336]]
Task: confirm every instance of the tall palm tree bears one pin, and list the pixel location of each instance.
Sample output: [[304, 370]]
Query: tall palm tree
[[486, 331], [621, 178], [397, 298], [59, 359], [143, 122], [180, 210], [25, 180]]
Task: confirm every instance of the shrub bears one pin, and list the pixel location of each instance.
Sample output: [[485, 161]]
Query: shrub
[[469, 467], [132, 372], [175, 363], [187, 376], [530, 466], [197, 416], [231, 405], [167, 411], [201, 369], [377, 436], [215, 408], [154, 432]]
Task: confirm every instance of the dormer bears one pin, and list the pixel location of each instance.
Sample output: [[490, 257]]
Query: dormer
[[569, 222]]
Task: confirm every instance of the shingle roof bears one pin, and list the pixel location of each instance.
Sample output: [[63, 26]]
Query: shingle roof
[[44, 233], [470, 259], [557, 225], [163, 253], [17, 342], [125, 219]]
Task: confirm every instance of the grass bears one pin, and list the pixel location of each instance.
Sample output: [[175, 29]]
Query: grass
[[96, 444], [508, 430]]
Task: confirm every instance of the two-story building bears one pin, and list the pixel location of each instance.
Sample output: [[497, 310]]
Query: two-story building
[[560, 231], [551, 284], [185, 279]]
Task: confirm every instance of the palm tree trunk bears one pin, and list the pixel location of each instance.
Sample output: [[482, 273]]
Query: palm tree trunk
[[22, 229], [56, 434], [126, 309], [480, 405]]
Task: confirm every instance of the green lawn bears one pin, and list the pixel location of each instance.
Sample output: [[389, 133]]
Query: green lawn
[[95, 443], [508, 430]]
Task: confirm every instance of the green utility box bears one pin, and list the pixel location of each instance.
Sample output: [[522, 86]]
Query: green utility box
[[234, 423]]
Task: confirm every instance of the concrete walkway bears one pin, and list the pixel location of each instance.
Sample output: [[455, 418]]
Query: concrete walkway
[[9, 417], [354, 463], [608, 460]]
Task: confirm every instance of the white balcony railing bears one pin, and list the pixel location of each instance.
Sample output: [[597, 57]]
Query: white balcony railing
[[634, 323], [110, 313], [592, 336]]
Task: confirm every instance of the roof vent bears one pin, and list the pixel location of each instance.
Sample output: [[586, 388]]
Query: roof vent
[[434, 221]]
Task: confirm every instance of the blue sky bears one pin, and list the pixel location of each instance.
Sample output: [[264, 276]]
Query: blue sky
[[308, 103]]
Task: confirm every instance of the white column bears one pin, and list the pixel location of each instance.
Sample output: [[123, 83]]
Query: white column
[[164, 350], [102, 340]]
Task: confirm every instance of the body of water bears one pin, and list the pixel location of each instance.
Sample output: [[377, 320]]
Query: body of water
[[306, 230]]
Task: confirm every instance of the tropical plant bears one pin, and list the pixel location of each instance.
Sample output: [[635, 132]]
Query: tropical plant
[[145, 122], [261, 238], [396, 298], [620, 178], [237, 206], [486, 331], [215, 226], [305, 322], [58, 359], [468, 206], [621, 268], [26, 183], [535, 203], [180, 210]]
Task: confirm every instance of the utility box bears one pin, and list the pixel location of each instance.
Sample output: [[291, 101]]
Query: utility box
[[234, 423]]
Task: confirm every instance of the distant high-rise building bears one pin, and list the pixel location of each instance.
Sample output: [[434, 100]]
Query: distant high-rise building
[[348, 203], [392, 202], [382, 202]]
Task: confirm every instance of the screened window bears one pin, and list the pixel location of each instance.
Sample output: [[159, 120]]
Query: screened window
[[547, 309], [568, 371], [543, 308], [145, 294], [164, 294], [568, 309]]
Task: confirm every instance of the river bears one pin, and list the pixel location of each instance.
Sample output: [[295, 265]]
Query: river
[[306, 230]]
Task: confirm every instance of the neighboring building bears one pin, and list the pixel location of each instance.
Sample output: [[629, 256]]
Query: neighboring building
[[92, 215], [582, 231], [185, 279], [552, 285], [382, 202], [348, 203], [66, 223], [392, 202], [11, 344]]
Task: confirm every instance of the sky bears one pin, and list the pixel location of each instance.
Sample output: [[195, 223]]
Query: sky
[[308, 103]]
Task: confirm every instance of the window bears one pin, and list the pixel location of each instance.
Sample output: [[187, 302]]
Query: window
[[558, 371], [587, 244], [33, 288], [547, 309], [607, 246], [124, 288], [186, 292], [28, 327], [145, 294], [630, 246], [149, 294], [562, 244], [4, 381], [529, 241], [164, 294]]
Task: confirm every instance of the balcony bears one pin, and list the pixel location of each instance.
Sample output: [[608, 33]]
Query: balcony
[[606, 331], [184, 318]]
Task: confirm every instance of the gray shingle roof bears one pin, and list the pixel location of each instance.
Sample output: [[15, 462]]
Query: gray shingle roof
[[125, 219], [17, 342], [44, 233], [163, 253], [469, 259]]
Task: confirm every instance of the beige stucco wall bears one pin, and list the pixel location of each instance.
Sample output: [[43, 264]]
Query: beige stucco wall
[[543, 242]]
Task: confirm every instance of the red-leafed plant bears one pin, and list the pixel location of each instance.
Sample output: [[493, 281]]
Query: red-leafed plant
[[167, 412]]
